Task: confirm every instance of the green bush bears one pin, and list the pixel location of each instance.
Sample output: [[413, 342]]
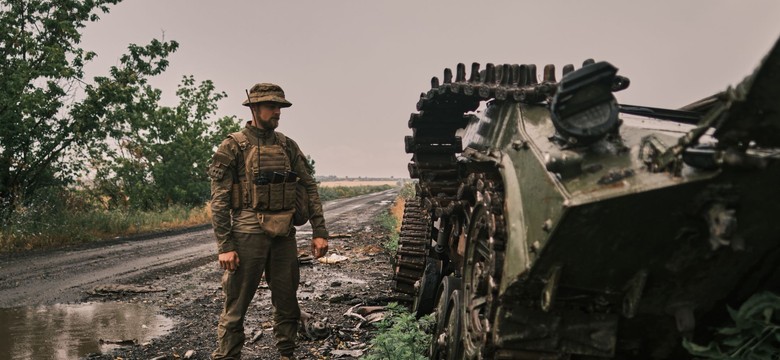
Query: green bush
[[400, 336], [755, 334]]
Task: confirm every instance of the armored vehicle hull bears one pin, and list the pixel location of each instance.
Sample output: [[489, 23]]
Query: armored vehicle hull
[[570, 226]]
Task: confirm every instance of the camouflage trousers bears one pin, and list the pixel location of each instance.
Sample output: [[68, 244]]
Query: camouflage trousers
[[278, 258]]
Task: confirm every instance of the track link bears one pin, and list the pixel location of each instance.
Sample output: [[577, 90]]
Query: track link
[[413, 244]]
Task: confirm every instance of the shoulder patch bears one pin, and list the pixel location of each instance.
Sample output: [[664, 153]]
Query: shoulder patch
[[219, 165], [216, 171]]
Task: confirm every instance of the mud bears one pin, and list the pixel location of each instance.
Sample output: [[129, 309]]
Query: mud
[[69, 331], [185, 267]]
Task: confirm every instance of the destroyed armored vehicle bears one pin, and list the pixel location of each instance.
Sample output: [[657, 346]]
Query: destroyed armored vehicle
[[552, 222]]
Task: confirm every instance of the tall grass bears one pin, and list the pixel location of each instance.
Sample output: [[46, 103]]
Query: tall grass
[[27, 230], [390, 220]]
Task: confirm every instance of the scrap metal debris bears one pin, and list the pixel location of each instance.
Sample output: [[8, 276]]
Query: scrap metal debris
[[340, 236], [305, 259], [352, 353], [314, 329], [366, 314], [256, 336], [332, 259]]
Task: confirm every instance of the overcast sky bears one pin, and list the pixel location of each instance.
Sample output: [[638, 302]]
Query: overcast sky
[[354, 69]]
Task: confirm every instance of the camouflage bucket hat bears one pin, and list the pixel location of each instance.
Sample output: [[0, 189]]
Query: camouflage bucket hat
[[266, 92]]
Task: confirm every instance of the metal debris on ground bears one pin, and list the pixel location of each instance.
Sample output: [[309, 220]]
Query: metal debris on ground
[[313, 329], [332, 259], [339, 236], [352, 353], [256, 335], [305, 259], [366, 314]]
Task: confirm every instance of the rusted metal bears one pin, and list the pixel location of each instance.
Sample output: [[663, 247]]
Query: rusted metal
[[584, 207]]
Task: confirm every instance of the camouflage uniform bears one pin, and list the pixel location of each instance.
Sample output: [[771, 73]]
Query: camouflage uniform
[[238, 229]]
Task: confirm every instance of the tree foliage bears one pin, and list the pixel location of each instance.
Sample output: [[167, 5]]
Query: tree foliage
[[56, 126], [161, 155], [49, 113]]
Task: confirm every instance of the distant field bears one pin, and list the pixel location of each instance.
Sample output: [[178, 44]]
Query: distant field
[[358, 183]]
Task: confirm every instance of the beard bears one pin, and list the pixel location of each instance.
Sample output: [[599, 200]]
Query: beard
[[269, 124]]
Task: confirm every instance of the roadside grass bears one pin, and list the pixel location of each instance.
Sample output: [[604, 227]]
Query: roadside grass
[[26, 231], [392, 218], [341, 192], [401, 336], [50, 224]]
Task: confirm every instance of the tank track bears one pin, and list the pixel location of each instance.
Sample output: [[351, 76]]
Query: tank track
[[413, 244], [448, 186], [442, 112], [434, 145]]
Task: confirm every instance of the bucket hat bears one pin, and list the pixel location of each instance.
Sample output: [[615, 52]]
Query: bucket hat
[[266, 92]]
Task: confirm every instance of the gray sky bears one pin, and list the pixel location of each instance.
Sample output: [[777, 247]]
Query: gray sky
[[354, 69]]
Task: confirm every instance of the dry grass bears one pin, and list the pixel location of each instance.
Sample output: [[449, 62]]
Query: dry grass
[[397, 210], [77, 227]]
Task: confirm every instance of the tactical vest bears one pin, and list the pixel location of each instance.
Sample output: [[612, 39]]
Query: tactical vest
[[267, 184]]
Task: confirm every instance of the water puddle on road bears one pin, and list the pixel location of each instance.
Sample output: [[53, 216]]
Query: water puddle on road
[[73, 331]]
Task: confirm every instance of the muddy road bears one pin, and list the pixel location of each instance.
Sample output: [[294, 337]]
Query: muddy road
[[183, 277]]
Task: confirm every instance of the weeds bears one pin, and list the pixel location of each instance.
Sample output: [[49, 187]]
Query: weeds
[[401, 336], [408, 190], [391, 219], [73, 217], [340, 192], [30, 229], [755, 333], [390, 224]]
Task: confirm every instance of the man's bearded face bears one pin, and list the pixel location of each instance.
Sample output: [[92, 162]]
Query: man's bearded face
[[267, 115]]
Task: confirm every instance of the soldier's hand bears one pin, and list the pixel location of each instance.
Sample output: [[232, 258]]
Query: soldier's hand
[[229, 260], [319, 247]]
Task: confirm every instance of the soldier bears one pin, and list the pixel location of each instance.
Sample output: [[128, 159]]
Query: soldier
[[254, 176]]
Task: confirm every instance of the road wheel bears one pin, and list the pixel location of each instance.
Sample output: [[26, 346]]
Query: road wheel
[[482, 271], [425, 299], [452, 336], [447, 286]]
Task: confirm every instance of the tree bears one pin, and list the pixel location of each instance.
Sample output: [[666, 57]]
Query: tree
[[49, 113], [161, 157]]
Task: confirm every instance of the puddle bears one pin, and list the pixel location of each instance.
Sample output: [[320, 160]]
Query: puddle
[[73, 331]]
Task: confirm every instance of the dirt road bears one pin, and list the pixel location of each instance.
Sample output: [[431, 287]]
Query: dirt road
[[184, 266]]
